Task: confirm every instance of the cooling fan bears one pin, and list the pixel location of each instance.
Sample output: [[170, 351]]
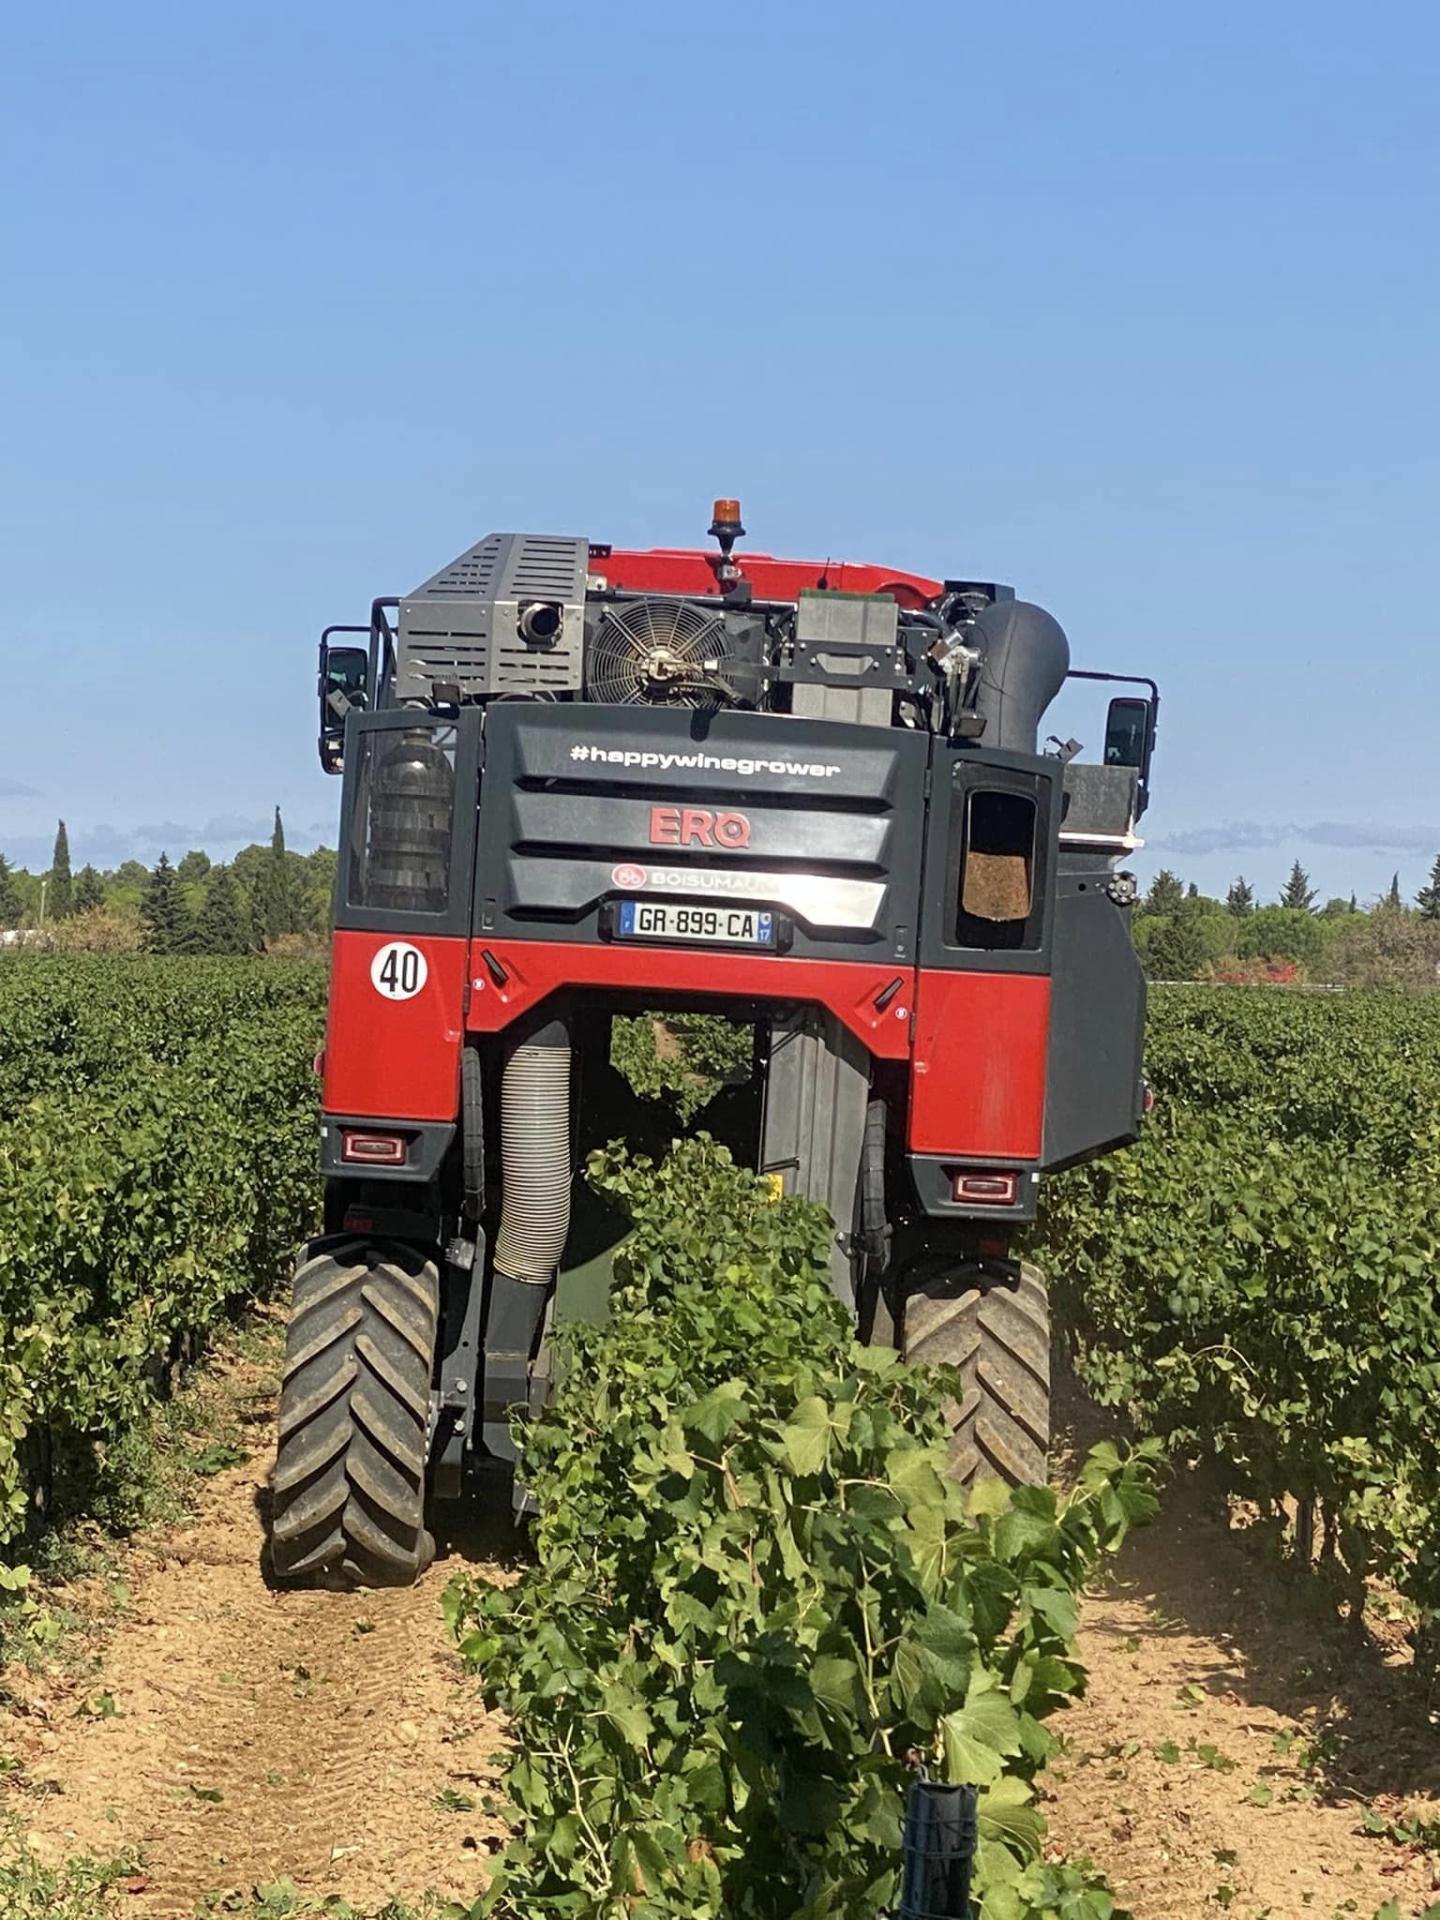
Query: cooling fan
[[659, 652]]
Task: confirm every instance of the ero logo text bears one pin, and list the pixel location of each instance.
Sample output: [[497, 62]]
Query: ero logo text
[[698, 827]]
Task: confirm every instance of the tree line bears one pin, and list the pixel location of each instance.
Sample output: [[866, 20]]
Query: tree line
[[264, 895], [1182, 934], [268, 894]]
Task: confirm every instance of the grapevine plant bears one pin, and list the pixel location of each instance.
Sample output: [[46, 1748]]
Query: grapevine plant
[[1255, 1282], [757, 1604], [157, 1129], [684, 1058]]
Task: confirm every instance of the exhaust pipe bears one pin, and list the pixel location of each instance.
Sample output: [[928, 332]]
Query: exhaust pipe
[[540, 622], [1025, 659]]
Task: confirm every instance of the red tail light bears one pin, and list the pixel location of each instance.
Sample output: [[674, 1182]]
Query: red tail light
[[985, 1189], [373, 1149]]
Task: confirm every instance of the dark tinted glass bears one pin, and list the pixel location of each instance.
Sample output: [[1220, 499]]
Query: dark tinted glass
[[346, 671], [1126, 728], [403, 822]]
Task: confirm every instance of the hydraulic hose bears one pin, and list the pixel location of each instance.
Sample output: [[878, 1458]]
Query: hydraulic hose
[[535, 1156]]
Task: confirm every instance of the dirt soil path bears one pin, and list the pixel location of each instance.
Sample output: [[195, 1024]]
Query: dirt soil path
[[1233, 1737], [257, 1734]]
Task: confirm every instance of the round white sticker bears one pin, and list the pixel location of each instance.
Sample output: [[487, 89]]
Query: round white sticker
[[398, 970]]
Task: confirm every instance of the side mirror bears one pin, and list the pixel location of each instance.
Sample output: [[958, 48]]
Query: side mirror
[[1130, 740], [1127, 733], [344, 683]]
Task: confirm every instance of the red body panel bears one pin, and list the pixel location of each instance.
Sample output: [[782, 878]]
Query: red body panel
[[979, 1068], [538, 967], [394, 1059], [978, 1086], [679, 570]]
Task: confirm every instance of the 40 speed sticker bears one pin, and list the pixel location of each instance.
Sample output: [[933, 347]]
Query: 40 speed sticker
[[398, 971]]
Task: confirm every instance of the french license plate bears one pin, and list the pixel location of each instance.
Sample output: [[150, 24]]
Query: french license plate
[[714, 926]]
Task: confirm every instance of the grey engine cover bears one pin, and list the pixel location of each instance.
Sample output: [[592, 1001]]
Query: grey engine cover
[[461, 628]]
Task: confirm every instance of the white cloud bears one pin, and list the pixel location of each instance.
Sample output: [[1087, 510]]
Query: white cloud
[[1240, 835]]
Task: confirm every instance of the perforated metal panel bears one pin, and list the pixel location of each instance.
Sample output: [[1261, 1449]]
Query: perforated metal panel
[[462, 627]]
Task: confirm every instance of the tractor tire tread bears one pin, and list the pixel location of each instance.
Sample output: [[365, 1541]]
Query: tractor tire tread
[[996, 1334], [300, 1408], [404, 1324], [327, 1333], [349, 1483]]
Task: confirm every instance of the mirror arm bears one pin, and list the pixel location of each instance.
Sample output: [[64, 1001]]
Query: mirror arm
[[1122, 679]]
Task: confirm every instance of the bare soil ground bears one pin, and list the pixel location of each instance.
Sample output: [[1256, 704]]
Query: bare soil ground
[[255, 1734], [1234, 1735]]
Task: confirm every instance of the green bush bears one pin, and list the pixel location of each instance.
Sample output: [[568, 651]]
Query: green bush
[[1255, 1281], [701, 1052], [756, 1598], [157, 1161]]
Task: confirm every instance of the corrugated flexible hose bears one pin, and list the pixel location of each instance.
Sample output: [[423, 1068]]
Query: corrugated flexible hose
[[535, 1156]]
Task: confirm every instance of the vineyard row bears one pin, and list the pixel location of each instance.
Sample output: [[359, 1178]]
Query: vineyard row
[[157, 1162]]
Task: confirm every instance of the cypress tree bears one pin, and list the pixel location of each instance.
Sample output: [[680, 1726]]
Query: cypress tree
[[1297, 891], [162, 911], [1393, 902], [279, 904], [89, 890], [1177, 951], [59, 902], [10, 905], [255, 912], [222, 927]]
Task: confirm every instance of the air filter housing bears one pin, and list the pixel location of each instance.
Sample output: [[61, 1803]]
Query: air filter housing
[[507, 616]]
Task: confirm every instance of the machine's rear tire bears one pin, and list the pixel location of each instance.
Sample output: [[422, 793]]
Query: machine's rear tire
[[472, 1133], [349, 1487], [873, 1235], [996, 1330]]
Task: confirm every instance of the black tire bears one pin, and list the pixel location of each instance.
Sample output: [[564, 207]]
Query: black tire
[[349, 1486], [996, 1329], [874, 1235], [472, 1144]]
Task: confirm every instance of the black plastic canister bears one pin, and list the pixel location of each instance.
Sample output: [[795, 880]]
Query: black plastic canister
[[940, 1827]]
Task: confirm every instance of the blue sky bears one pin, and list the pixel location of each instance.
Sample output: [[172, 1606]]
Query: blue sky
[[1133, 306]]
